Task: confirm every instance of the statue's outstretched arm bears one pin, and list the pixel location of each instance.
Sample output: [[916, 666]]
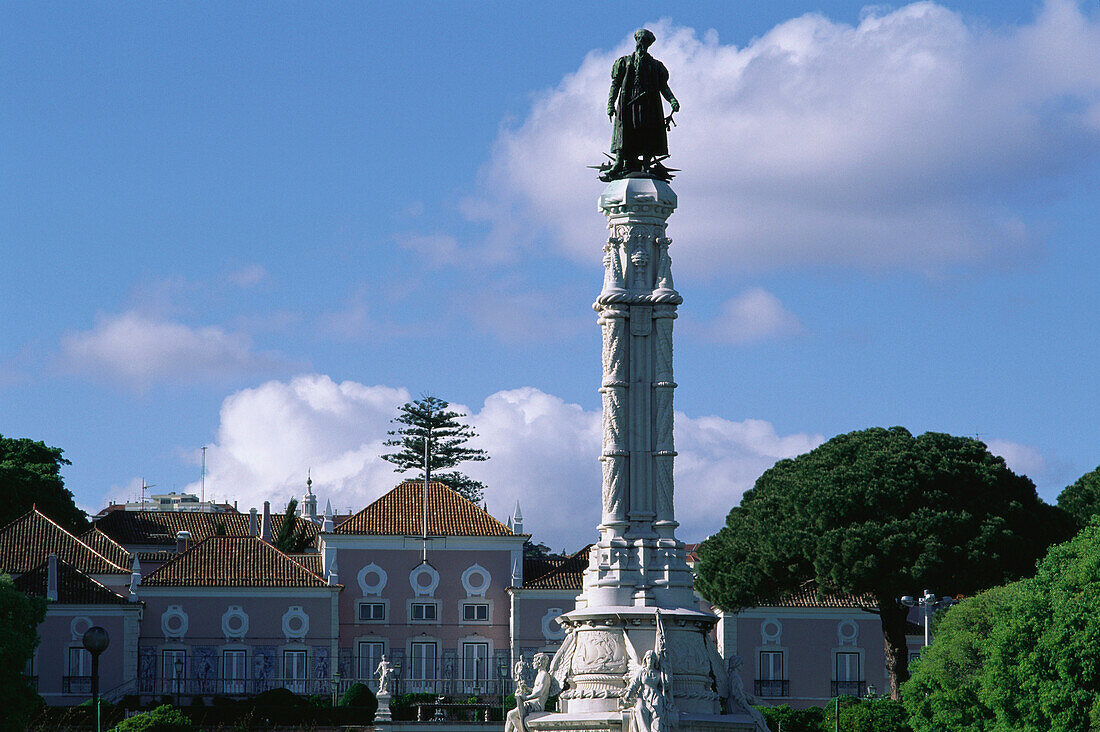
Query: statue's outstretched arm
[[667, 94]]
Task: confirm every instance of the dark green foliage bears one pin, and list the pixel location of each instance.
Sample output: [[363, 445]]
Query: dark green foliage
[[884, 514], [402, 709], [1082, 499], [793, 720], [19, 619], [165, 718], [430, 418], [877, 715], [291, 536], [362, 698], [532, 550], [1021, 657], [30, 476]]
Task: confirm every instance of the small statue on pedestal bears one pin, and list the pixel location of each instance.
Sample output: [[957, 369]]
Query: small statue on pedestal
[[385, 671]]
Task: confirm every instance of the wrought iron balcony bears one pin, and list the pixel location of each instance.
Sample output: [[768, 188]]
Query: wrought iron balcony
[[772, 688], [848, 688], [76, 684]]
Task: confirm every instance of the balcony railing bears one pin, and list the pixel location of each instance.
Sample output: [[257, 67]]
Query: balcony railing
[[189, 686], [848, 688], [76, 684], [772, 688]]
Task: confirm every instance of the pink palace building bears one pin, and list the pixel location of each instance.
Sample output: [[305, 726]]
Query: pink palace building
[[203, 604]]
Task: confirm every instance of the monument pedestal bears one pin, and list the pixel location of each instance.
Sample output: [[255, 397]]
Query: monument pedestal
[[383, 714]]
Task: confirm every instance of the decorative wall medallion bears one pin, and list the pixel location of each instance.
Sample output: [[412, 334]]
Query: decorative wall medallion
[[771, 630], [551, 631], [173, 622], [424, 579], [234, 623], [79, 626], [475, 580], [372, 579], [847, 632], [295, 623], [599, 652]]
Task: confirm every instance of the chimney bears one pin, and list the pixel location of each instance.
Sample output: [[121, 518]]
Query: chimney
[[517, 573], [327, 525], [331, 572], [51, 578], [517, 520], [265, 525], [135, 579], [252, 528], [183, 541]]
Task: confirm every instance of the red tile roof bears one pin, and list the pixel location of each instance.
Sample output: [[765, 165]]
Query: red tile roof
[[401, 511], [73, 587], [28, 540], [556, 573], [807, 595], [107, 546], [232, 561], [161, 527], [312, 562]]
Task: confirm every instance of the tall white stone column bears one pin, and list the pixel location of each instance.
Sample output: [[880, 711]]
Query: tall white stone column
[[638, 566]]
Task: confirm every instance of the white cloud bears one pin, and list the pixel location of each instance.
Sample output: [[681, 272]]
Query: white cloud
[[885, 144], [434, 249], [1021, 459], [544, 454], [754, 315], [138, 350]]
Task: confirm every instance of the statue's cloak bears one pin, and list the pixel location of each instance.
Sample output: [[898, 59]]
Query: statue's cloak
[[641, 81]]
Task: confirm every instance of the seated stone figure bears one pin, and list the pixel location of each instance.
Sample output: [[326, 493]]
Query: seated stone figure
[[533, 699]]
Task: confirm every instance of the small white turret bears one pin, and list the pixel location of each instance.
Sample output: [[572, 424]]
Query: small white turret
[[135, 579], [516, 521]]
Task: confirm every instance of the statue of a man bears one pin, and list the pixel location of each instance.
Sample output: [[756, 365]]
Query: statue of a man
[[385, 673], [533, 699], [639, 135]]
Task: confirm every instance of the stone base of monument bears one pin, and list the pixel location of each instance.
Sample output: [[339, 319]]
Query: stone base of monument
[[383, 714], [621, 722]]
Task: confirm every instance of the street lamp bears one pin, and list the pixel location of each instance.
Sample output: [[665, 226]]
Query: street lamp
[[179, 677], [335, 687], [930, 603], [96, 640]]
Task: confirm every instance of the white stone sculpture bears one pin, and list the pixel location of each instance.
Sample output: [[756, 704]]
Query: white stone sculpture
[[385, 671], [647, 690], [533, 699]]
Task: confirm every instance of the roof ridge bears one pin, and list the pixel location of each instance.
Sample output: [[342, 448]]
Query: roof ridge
[[165, 571], [35, 512]]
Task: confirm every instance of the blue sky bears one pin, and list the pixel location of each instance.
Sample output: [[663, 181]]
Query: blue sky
[[261, 227]]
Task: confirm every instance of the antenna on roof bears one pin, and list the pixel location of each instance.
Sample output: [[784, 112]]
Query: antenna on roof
[[202, 475], [145, 485]]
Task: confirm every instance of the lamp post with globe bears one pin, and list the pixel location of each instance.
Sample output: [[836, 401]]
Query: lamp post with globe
[[95, 640]]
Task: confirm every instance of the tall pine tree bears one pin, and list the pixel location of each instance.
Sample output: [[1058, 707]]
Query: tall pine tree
[[431, 419]]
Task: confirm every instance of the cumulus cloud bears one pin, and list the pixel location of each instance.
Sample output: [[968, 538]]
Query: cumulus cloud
[[434, 249], [1021, 459], [885, 144], [137, 350], [754, 315], [544, 454]]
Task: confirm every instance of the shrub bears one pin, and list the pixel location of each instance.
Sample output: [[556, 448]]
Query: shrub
[[402, 708], [162, 719], [794, 720]]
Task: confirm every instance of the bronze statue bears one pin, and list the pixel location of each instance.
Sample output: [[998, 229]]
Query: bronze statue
[[639, 139]]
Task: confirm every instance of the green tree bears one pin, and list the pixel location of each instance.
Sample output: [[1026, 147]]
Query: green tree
[[19, 619], [164, 718], [30, 475], [1082, 499], [291, 535], [431, 419], [882, 514], [784, 718], [1037, 668], [945, 689]]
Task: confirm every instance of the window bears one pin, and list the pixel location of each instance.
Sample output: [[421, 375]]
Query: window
[[422, 664], [234, 674], [370, 654], [372, 611], [475, 661], [294, 671], [174, 666], [475, 611], [847, 678], [80, 662], [424, 611], [771, 677]]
